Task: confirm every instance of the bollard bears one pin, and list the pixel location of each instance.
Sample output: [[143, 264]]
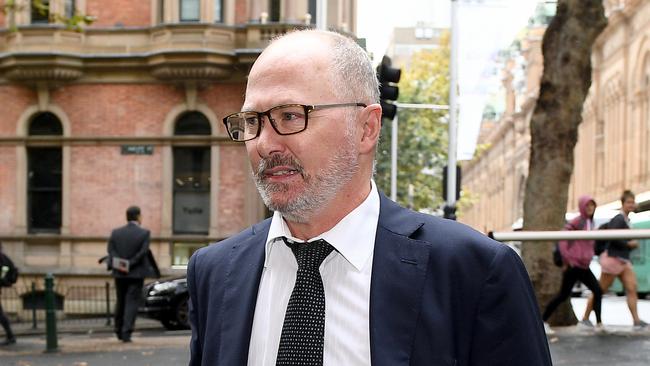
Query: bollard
[[34, 307], [50, 315], [108, 304]]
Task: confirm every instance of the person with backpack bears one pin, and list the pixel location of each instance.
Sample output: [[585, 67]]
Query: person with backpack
[[576, 257], [615, 263], [8, 276]]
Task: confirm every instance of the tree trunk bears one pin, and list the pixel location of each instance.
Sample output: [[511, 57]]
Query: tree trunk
[[554, 125]]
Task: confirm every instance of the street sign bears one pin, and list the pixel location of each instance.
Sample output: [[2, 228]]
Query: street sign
[[137, 149]]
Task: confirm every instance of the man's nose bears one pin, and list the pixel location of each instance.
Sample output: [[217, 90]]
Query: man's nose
[[269, 141]]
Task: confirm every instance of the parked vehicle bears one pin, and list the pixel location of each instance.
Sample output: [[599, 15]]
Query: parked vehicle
[[167, 301]]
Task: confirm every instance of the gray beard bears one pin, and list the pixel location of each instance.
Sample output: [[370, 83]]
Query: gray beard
[[320, 188]]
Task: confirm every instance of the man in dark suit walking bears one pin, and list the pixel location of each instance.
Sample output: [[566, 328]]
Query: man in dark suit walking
[[341, 275], [128, 255]]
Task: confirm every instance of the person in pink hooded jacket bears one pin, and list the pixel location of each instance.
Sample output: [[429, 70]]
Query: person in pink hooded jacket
[[576, 256]]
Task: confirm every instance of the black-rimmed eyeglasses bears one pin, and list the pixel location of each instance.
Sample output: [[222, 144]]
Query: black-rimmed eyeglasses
[[286, 119]]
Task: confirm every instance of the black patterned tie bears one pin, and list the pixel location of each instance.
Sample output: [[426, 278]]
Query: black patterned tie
[[303, 331]]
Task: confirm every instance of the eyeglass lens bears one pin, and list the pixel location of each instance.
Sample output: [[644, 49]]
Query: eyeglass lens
[[286, 119]]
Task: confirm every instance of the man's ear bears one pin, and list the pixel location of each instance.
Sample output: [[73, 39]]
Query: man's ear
[[371, 119]]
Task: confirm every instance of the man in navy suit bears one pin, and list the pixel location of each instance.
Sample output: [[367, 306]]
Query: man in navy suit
[[395, 287], [128, 250]]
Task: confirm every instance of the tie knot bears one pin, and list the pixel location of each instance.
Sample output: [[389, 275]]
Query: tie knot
[[309, 255]]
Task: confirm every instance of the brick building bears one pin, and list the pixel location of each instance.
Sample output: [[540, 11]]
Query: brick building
[[128, 111], [614, 138]]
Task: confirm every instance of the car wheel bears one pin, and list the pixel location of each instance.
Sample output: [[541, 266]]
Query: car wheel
[[181, 313]]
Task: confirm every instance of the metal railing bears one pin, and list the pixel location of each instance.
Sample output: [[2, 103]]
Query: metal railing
[[571, 235], [78, 304]]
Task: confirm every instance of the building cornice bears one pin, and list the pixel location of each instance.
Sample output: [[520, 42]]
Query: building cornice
[[170, 52]]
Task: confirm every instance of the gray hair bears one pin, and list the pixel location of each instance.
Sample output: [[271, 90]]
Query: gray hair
[[354, 78]]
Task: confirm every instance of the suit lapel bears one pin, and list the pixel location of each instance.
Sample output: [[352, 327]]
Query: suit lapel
[[240, 297], [398, 275]]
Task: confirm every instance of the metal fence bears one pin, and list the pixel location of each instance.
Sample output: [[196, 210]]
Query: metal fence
[[74, 304]]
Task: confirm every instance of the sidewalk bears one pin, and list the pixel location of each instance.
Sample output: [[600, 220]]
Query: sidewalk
[[92, 335], [93, 342], [149, 347], [619, 346], [80, 326]]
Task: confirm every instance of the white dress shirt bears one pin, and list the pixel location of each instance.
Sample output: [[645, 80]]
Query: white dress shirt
[[346, 276]]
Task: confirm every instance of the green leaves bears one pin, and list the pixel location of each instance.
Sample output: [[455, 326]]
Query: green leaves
[[422, 135], [74, 22]]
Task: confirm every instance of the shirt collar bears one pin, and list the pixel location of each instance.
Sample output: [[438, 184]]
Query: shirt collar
[[353, 237]]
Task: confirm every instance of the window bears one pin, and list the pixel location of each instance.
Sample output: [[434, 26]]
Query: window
[[190, 10], [40, 11], [311, 6], [44, 173], [274, 10], [161, 11], [218, 11], [191, 185], [69, 8]]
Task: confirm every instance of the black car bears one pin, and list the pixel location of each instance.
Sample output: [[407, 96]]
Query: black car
[[167, 301]]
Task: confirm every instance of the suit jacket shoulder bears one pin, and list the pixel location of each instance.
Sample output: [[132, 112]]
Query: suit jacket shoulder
[[213, 256], [464, 298], [223, 279], [447, 240]]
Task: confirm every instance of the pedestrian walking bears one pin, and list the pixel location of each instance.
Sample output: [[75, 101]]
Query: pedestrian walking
[[576, 257], [130, 260], [8, 276], [615, 263], [342, 275]]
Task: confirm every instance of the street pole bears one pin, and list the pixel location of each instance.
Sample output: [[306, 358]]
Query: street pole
[[321, 14], [393, 160], [52, 344], [450, 207]]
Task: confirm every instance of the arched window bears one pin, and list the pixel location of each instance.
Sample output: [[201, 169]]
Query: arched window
[[44, 175], [191, 177]]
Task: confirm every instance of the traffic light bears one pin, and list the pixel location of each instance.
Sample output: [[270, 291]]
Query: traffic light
[[388, 93]]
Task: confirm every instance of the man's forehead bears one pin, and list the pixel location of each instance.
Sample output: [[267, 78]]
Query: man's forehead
[[290, 74]]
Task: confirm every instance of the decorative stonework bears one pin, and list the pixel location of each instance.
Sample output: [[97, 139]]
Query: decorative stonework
[[40, 73], [185, 72]]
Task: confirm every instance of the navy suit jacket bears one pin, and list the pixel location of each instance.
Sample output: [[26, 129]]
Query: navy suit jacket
[[131, 242], [440, 294]]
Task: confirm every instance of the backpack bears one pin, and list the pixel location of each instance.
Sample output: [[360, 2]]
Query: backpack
[[557, 256], [601, 245], [8, 271]]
